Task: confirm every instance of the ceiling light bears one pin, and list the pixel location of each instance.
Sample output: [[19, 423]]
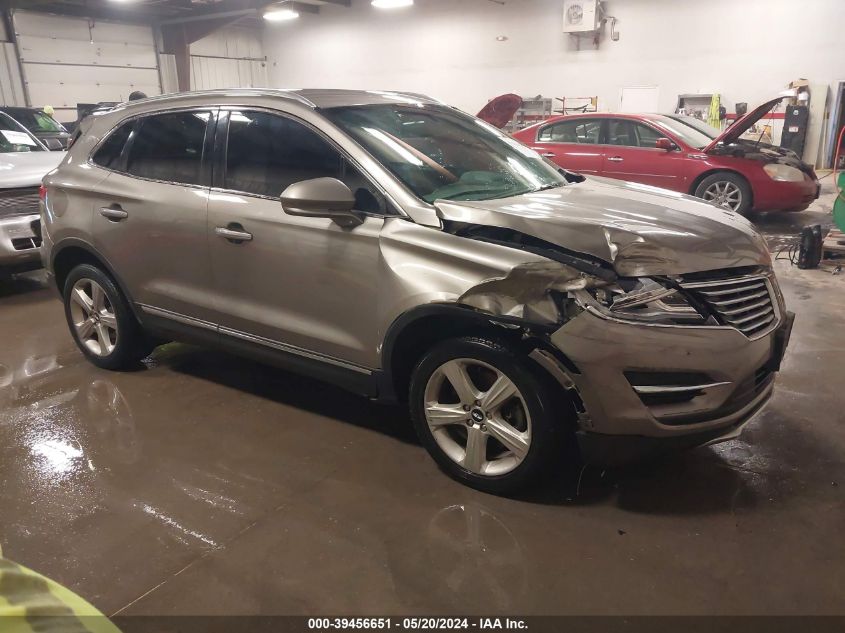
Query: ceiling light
[[280, 13], [391, 4]]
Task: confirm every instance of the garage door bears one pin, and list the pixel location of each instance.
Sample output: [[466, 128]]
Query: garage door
[[66, 61]]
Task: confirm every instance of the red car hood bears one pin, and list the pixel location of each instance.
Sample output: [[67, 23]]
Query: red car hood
[[732, 134], [500, 110]]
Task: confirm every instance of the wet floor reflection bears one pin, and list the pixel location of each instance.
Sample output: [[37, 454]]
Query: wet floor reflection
[[477, 555]]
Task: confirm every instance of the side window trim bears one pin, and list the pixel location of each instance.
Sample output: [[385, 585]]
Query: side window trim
[[221, 159], [136, 120], [116, 129], [207, 160], [604, 130], [123, 157], [220, 147], [604, 133], [584, 121]]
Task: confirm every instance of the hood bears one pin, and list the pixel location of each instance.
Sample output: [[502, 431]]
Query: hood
[[26, 169], [500, 111], [638, 229], [743, 124]]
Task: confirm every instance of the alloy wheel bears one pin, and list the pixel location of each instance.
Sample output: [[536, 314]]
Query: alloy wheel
[[93, 317], [477, 416], [724, 194]]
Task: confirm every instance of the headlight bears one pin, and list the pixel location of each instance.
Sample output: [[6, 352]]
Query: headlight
[[784, 173], [640, 299]]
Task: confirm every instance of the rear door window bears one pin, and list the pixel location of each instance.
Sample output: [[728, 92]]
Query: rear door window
[[109, 152], [169, 147], [582, 131]]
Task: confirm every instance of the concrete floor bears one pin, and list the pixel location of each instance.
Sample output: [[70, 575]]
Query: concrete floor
[[206, 484]]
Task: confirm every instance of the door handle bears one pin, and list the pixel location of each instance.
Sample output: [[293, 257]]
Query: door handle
[[615, 159], [115, 214], [549, 155], [234, 233]]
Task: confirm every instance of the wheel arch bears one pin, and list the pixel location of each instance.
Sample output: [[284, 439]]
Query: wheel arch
[[418, 330], [72, 252], [718, 170]]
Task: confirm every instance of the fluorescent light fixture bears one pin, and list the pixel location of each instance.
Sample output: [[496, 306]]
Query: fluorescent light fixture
[[280, 13], [391, 4]]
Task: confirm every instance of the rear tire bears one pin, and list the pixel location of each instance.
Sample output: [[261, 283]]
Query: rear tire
[[501, 428], [101, 322], [727, 190]]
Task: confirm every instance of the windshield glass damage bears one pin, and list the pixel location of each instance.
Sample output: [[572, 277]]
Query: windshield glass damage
[[442, 154]]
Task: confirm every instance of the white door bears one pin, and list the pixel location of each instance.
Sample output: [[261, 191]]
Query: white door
[[66, 61], [640, 99]]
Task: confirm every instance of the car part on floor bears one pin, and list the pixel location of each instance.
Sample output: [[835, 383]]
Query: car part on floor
[[810, 249]]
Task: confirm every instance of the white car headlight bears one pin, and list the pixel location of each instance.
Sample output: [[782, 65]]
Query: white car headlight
[[640, 299], [784, 173]]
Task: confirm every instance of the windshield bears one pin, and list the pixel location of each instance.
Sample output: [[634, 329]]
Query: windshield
[[442, 154], [695, 133], [36, 121], [14, 139]]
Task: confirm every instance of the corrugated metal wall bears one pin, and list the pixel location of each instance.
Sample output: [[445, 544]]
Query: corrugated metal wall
[[228, 58], [66, 61], [11, 84], [212, 72]]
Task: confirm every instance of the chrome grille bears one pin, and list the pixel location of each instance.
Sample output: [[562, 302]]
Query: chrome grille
[[23, 201], [746, 303]]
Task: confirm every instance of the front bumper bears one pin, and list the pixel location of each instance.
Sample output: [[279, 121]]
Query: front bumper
[[786, 196], [617, 450], [20, 241], [622, 424]]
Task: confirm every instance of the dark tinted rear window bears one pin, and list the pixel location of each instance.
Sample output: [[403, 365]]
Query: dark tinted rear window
[[108, 155], [169, 147]]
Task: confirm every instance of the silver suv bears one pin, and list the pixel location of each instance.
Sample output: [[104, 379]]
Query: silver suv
[[395, 246], [23, 162]]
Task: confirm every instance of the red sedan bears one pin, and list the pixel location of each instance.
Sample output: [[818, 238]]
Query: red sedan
[[681, 154]]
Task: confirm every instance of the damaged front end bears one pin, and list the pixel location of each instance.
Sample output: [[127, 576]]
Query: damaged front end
[[535, 292], [554, 291], [539, 297]]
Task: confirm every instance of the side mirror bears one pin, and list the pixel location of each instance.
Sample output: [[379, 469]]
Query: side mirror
[[665, 143], [54, 144], [322, 198]]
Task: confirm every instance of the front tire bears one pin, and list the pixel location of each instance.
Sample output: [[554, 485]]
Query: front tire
[[100, 320], [485, 414], [727, 190]]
